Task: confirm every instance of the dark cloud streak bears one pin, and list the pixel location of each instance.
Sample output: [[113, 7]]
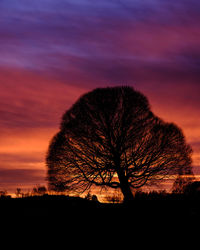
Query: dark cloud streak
[[45, 32]]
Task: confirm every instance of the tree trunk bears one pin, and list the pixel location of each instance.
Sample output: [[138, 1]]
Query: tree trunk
[[124, 185]]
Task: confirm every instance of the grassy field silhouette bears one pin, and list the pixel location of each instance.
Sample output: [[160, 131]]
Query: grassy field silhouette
[[146, 206]]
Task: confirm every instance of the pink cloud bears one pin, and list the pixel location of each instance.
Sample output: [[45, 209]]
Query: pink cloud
[[30, 110], [30, 100]]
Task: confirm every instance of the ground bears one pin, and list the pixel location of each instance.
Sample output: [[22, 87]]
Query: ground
[[155, 207]]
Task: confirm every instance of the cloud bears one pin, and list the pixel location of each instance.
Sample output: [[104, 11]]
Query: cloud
[[56, 36], [22, 157], [28, 100], [31, 107], [54, 51], [10, 179]]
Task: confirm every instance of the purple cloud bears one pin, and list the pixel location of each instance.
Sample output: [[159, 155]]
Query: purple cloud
[[50, 35]]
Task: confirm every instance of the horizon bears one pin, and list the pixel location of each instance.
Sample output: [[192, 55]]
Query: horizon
[[54, 51]]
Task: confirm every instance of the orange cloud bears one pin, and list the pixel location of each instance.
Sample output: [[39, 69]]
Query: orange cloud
[[30, 110]]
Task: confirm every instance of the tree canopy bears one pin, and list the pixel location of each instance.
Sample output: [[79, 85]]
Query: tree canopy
[[110, 137]]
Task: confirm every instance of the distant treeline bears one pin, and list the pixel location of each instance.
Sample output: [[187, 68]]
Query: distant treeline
[[180, 191]]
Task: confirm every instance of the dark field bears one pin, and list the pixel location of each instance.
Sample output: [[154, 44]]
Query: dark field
[[145, 207]]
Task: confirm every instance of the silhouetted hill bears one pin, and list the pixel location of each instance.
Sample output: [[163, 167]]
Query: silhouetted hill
[[145, 208], [74, 221], [44, 206]]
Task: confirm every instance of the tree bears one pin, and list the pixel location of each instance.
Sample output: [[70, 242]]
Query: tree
[[19, 192], [115, 197], [39, 190], [110, 138], [181, 183], [192, 188], [3, 193]]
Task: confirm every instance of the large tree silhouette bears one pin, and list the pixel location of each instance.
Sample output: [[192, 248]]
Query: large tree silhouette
[[110, 137]]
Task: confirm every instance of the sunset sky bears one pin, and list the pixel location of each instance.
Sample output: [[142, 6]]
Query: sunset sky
[[52, 51]]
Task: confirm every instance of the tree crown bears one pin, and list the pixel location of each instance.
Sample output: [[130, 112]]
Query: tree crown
[[110, 137]]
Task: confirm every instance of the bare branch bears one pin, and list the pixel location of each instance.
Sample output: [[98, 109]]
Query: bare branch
[[110, 137]]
